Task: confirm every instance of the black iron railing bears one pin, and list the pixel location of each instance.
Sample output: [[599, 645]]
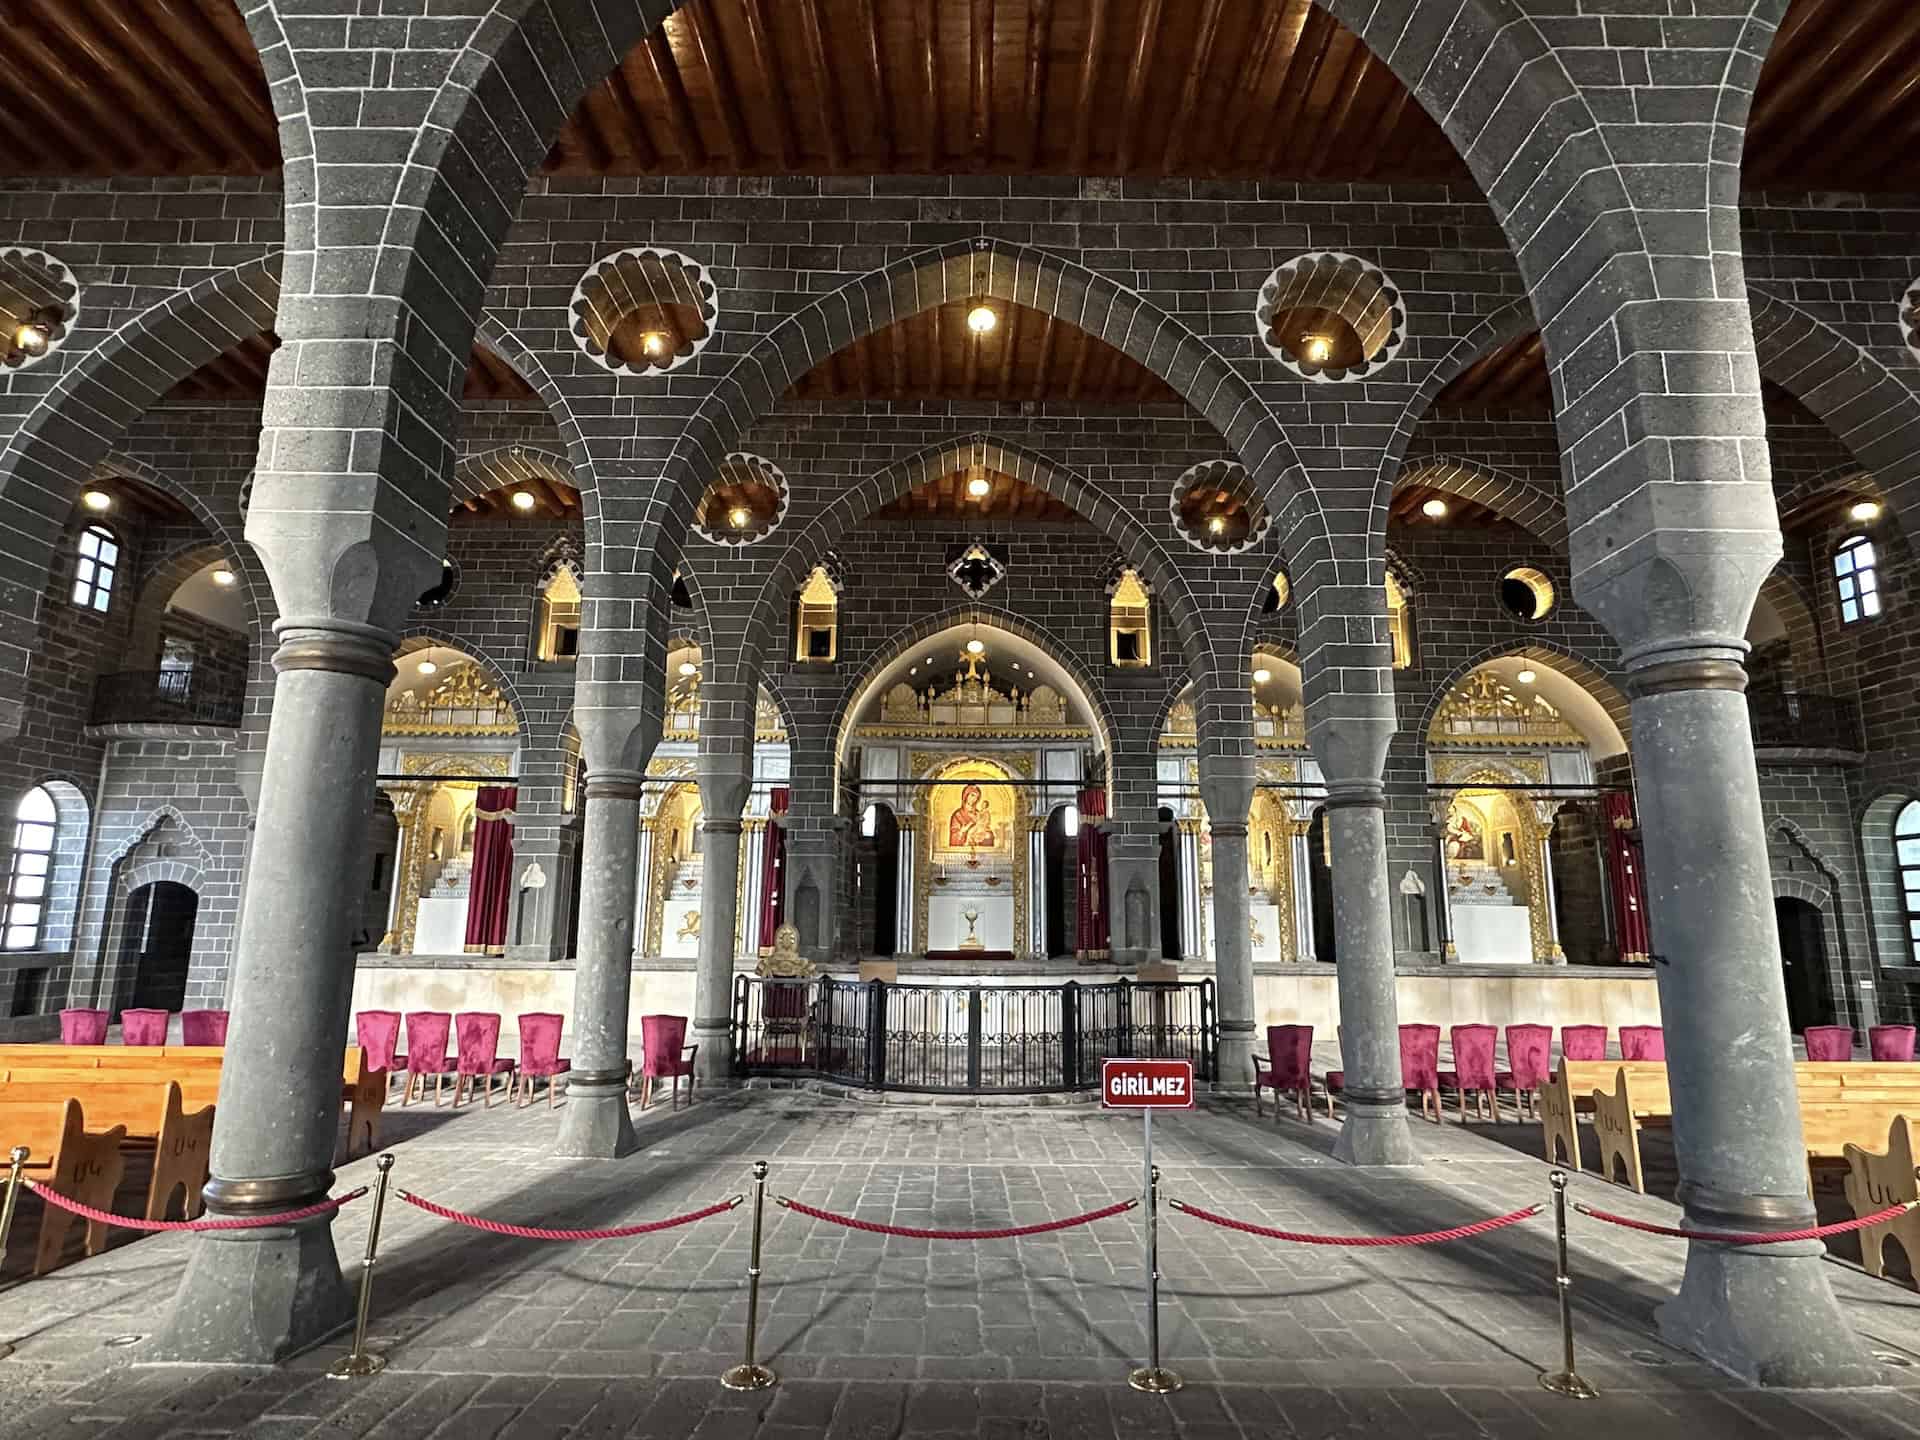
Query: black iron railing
[[165, 697], [966, 1039], [1799, 719]]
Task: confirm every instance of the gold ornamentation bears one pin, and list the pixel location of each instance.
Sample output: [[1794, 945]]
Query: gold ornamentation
[[410, 800], [768, 724], [1462, 769], [1485, 711], [960, 768], [683, 708], [1254, 937], [689, 926], [972, 704], [786, 962], [1529, 852], [462, 704]]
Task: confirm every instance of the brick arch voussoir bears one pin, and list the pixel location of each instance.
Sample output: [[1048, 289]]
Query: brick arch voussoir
[[507, 465], [1872, 410], [1533, 509]]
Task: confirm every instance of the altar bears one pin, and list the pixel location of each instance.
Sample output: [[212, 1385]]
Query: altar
[[1492, 934]]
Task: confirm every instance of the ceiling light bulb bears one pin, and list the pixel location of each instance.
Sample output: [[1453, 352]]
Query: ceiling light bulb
[[223, 577], [1434, 509], [427, 667], [1318, 348], [687, 667], [1217, 525], [982, 318], [979, 487], [31, 338], [1261, 676], [1865, 510], [654, 342], [739, 517], [97, 500], [1526, 677], [974, 647], [523, 500]]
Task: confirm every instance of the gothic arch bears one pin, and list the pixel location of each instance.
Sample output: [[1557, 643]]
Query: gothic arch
[[1589, 677], [497, 675]]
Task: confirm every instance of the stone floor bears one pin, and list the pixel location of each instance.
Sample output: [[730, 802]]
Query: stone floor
[[878, 1337]]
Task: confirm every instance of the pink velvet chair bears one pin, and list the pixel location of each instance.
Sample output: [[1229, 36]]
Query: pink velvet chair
[[1420, 1065], [1530, 1062], [1289, 1061], [143, 1027], [540, 1057], [427, 1053], [665, 1055], [83, 1027], [1829, 1042], [476, 1035], [1583, 1042], [1890, 1042], [1473, 1073], [378, 1034], [1642, 1042], [203, 1027]]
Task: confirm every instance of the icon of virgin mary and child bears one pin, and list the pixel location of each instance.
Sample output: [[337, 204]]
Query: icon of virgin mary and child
[[971, 825]]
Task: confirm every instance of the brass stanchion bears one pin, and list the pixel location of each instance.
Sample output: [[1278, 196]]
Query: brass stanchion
[[18, 1160], [1153, 1377], [751, 1374], [1566, 1381], [358, 1361]]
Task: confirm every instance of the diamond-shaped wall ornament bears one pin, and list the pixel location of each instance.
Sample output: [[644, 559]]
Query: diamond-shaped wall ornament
[[977, 569]]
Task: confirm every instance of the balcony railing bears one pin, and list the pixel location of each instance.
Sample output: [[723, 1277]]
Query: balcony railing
[[1787, 718], [165, 697]]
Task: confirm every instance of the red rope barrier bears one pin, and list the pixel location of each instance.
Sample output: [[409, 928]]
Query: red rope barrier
[[1817, 1232], [1013, 1232], [1431, 1237], [251, 1222], [535, 1232]]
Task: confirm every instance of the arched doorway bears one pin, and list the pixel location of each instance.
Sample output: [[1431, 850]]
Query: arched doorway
[[878, 874], [1169, 886], [1803, 960], [1320, 876], [156, 945]]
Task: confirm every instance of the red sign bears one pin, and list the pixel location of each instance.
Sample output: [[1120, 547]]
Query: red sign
[[1146, 1084]]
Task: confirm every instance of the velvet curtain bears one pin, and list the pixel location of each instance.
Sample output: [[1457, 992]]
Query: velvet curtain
[[773, 869], [1626, 878], [1091, 900], [490, 887]]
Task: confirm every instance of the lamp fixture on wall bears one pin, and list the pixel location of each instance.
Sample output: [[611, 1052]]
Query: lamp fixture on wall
[[1865, 511], [654, 342], [982, 318], [523, 500], [739, 517], [1318, 349], [223, 577], [1526, 677], [1435, 509], [979, 487], [97, 501], [427, 667]]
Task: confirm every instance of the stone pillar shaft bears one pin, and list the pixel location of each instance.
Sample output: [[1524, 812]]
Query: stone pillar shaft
[[255, 1296], [1233, 956], [595, 1123], [713, 980]]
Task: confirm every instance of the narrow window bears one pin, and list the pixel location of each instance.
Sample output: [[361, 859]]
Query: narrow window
[[817, 625], [1906, 855], [560, 617], [31, 869], [93, 573], [1399, 624], [1856, 579], [1128, 624]]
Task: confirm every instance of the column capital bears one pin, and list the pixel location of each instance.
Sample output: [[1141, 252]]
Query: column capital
[[343, 647]]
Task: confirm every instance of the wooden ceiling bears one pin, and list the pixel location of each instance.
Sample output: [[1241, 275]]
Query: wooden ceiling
[[1026, 356], [946, 498], [1408, 501], [552, 500], [1147, 88], [239, 376], [1511, 380], [141, 500]]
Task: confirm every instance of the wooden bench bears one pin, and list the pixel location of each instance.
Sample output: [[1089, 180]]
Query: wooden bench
[[1569, 1093], [64, 1156], [1876, 1180], [152, 1112]]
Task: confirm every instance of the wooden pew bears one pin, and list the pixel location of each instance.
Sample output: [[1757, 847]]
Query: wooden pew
[[1875, 1181], [65, 1156], [154, 1112], [1618, 1115], [1569, 1093]]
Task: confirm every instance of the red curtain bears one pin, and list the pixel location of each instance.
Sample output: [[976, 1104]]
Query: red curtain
[[773, 869], [490, 887], [1091, 901], [1626, 878]]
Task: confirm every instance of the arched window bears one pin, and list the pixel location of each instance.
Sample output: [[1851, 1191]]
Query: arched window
[[93, 573], [1129, 627], [559, 617], [1906, 855], [817, 623], [870, 822], [1856, 579], [1399, 624], [31, 871]]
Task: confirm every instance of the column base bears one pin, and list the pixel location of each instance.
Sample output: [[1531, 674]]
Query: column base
[[713, 1065], [1767, 1317], [596, 1124], [1375, 1135], [255, 1297], [1235, 1073]]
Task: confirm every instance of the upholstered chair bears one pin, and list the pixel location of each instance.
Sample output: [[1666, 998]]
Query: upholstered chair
[[1829, 1042], [83, 1027], [540, 1057], [1890, 1042], [1473, 1073], [476, 1036], [143, 1027], [427, 1053], [378, 1034], [1420, 1065], [1530, 1065], [1643, 1042], [1289, 1062], [1583, 1042], [665, 1055], [203, 1027]]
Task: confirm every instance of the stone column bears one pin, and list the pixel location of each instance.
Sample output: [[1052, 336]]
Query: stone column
[[1764, 1312], [254, 1296], [1227, 789], [725, 780], [595, 1123], [1352, 751]]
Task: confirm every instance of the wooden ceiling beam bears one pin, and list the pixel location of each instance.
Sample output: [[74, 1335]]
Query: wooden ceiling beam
[[938, 351], [1781, 107], [1083, 348], [881, 130], [646, 155], [544, 493], [980, 67], [115, 93], [231, 71], [705, 33], [826, 85], [766, 59], [1043, 368], [1843, 91], [1295, 89], [1324, 139], [1871, 120], [23, 140], [1278, 19], [1089, 79], [585, 128], [927, 26], [897, 352], [1010, 352], [1131, 118], [1178, 133], [1039, 43], [94, 140], [218, 128], [666, 75], [970, 362]]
